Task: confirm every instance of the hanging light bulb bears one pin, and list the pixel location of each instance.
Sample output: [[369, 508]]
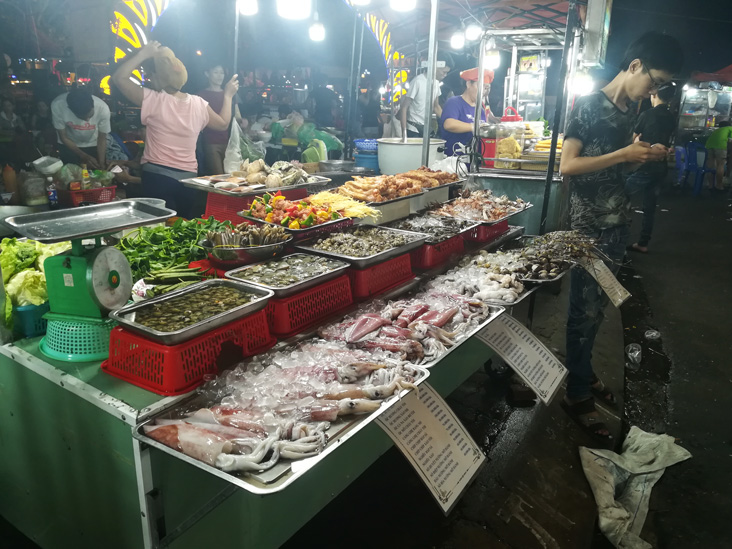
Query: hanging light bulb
[[457, 41], [248, 7], [294, 9], [492, 55], [473, 31], [402, 5], [317, 31], [360, 2]]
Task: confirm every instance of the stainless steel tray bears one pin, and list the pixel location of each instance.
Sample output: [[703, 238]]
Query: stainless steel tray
[[445, 185], [284, 291], [363, 262], [527, 293], [346, 221], [495, 312], [400, 199], [87, 221], [545, 280], [286, 471], [469, 225], [492, 222], [126, 315], [202, 185]]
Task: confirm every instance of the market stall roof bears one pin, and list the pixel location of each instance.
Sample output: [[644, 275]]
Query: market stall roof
[[722, 75], [505, 15]]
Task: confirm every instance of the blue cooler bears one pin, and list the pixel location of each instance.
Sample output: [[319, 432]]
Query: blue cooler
[[367, 159]]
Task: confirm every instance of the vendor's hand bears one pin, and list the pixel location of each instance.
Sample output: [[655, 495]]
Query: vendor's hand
[[660, 150], [150, 49], [640, 153], [90, 161], [232, 86]]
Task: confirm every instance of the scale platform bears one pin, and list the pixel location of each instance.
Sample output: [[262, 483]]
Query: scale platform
[[88, 221]]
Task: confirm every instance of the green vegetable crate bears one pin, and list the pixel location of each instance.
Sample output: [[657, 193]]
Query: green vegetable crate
[[28, 320]]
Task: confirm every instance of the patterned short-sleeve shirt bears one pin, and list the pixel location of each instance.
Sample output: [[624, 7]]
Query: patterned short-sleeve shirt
[[598, 200]]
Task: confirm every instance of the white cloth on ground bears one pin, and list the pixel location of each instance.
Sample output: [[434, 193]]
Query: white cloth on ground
[[631, 476]]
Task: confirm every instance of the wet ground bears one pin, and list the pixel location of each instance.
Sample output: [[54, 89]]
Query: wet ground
[[532, 492]]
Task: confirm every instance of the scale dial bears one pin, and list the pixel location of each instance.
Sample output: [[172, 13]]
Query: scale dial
[[109, 278]]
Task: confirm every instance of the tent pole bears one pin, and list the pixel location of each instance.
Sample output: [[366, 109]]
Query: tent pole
[[431, 63]]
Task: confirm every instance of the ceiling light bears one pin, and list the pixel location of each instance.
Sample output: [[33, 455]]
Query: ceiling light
[[317, 31], [248, 7], [473, 31], [402, 5], [294, 9], [360, 2], [457, 41]]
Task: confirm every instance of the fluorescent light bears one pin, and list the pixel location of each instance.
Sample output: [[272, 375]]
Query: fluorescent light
[[360, 2], [457, 41], [294, 9], [492, 59], [317, 32], [473, 31], [402, 5], [248, 7], [583, 84]]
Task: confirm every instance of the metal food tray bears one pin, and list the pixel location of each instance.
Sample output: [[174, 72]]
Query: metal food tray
[[87, 221], [197, 183], [286, 471], [285, 291], [494, 312], [400, 199], [545, 280], [126, 315], [486, 222], [346, 221], [363, 262], [527, 293], [471, 225], [445, 185]]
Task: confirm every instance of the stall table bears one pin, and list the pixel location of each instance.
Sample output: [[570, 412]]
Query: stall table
[[74, 476]]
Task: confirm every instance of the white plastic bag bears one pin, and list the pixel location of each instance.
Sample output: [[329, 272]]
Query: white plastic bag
[[232, 158], [450, 164]]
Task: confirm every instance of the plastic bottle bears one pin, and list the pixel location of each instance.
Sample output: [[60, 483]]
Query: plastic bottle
[[85, 179], [9, 179], [52, 194]]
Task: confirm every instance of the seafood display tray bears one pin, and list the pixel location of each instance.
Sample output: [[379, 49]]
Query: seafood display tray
[[527, 293], [286, 291], [363, 262], [495, 312], [126, 315], [286, 471], [469, 227], [89, 221], [341, 223], [202, 185], [493, 221], [546, 280], [447, 185]]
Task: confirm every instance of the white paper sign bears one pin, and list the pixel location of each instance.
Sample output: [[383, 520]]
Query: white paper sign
[[528, 356], [606, 279], [434, 441]]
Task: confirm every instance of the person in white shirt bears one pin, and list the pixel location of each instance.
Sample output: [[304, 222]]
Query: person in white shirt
[[412, 111], [82, 122]]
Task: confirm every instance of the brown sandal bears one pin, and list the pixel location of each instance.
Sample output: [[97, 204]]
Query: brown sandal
[[580, 411]]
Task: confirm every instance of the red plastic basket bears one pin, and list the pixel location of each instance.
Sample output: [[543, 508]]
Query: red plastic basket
[[227, 208], [292, 315], [381, 277], [486, 233], [97, 196], [177, 369], [432, 255]]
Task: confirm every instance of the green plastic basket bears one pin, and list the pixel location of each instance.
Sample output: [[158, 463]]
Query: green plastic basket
[[76, 339]]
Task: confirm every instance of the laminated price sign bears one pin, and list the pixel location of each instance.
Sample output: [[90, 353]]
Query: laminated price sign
[[528, 356], [434, 441], [606, 279]]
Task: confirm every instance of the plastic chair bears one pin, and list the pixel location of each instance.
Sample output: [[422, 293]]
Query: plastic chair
[[692, 165], [681, 167]]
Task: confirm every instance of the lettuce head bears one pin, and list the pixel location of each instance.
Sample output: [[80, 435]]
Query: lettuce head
[[16, 255], [27, 288]]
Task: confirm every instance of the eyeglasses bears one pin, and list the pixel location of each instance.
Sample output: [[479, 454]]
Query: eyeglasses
[[655, 84]]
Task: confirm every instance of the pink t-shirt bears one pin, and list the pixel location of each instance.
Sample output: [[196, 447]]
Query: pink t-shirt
[[173, 126]]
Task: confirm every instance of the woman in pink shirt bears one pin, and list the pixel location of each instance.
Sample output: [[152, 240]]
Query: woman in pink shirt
[[173, 120]]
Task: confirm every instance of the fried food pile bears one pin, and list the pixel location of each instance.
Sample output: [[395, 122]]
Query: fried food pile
[[389, 187]]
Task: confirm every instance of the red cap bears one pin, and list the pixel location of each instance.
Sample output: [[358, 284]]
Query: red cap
[[471, 75]]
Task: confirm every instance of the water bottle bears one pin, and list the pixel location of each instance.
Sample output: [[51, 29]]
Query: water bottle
[[52, 193]]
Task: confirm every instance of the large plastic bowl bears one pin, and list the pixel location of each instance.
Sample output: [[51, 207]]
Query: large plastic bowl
[[225, 257]]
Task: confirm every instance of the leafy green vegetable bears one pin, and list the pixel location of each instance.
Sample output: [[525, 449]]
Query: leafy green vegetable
[[150, 249], [28, 288], [8, 317], [49, 250], [16, 256]]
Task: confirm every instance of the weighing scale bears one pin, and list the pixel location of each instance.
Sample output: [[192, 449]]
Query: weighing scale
[[88, 281]]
